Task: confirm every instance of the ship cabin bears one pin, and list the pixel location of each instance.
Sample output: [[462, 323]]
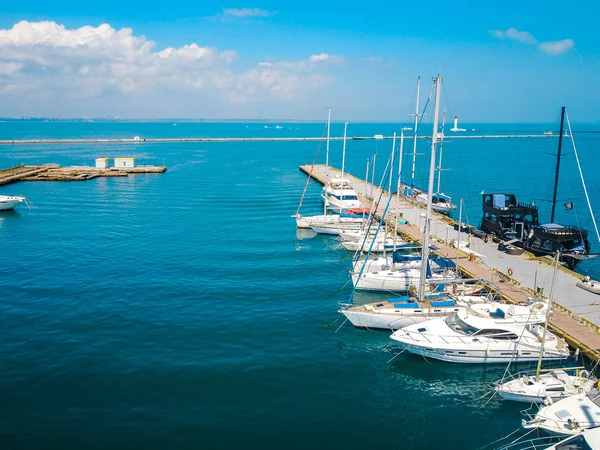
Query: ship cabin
[[508, 219]]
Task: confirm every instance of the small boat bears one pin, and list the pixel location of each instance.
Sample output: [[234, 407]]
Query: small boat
[[556, 385], [568, 416], [8, 202], [589, 285]]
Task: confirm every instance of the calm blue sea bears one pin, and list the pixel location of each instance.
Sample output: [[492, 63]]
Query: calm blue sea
[[184, 310]]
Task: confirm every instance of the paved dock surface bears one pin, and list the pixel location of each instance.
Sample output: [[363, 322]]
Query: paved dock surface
[[576, 316]]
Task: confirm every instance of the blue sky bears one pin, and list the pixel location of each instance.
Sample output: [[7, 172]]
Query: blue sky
[[508, 62]]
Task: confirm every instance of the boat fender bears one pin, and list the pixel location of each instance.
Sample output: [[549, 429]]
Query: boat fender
[[510, 272], [548, 400], [486, 239]]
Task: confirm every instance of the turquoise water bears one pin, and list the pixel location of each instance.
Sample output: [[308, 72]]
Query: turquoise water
[[184, 309]]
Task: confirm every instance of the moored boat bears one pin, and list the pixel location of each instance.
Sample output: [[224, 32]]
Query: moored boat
[[8, 202]]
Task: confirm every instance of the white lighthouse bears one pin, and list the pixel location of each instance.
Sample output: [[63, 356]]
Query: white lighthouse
[[455, 127]]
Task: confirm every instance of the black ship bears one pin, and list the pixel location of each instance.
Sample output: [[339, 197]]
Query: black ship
[[519, 224]]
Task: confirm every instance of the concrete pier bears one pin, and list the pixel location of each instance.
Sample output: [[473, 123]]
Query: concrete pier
[[576, 315], [249, 139]]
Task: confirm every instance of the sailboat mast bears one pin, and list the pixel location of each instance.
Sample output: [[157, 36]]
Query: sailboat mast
[[560, 139], [392, 164], [441, 148], [328, 127], [414, 158], [343, 162], [400, 151], [427, 231], [539, 365]]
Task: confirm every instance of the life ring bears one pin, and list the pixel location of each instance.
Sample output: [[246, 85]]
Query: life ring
[[510, 272]]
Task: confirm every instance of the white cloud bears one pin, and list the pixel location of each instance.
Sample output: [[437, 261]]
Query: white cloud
[[550, 47], [557, 47], [325, 57], [515, 35], [47, 60], [246, 12]]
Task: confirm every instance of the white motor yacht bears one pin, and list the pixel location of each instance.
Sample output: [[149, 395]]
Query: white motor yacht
[[488, 333], [339, 195]]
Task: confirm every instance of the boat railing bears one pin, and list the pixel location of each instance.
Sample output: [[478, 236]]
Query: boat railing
[[526, 341], [537, 443]]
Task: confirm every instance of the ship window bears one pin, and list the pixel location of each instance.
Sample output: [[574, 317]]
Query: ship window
[[537, 242], [555, 388], [497, 334], [547, 245], [349, 197], [462, 353], [454, 323]]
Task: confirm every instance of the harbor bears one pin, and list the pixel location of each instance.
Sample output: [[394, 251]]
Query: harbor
[[576, 317]]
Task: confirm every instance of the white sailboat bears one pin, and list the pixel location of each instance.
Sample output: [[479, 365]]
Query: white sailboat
[[8, 202], [405, 279], [585, 440], [568, 416], [556, 384], [397, 313]]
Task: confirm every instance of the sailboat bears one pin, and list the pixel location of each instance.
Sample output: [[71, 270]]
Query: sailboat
[[325, 218], [518, 222], [569, 416], [405, 279], [441, 202], [556, 384], [8, 202]]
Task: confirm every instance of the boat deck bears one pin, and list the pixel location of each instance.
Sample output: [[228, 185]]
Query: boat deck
[[576, 315]]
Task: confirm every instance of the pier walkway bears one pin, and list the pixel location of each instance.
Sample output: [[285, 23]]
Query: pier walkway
[[576, 315]]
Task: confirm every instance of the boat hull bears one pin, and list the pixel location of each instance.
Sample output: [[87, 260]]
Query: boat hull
[[7, 203], [462, 356], [362, 319]]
